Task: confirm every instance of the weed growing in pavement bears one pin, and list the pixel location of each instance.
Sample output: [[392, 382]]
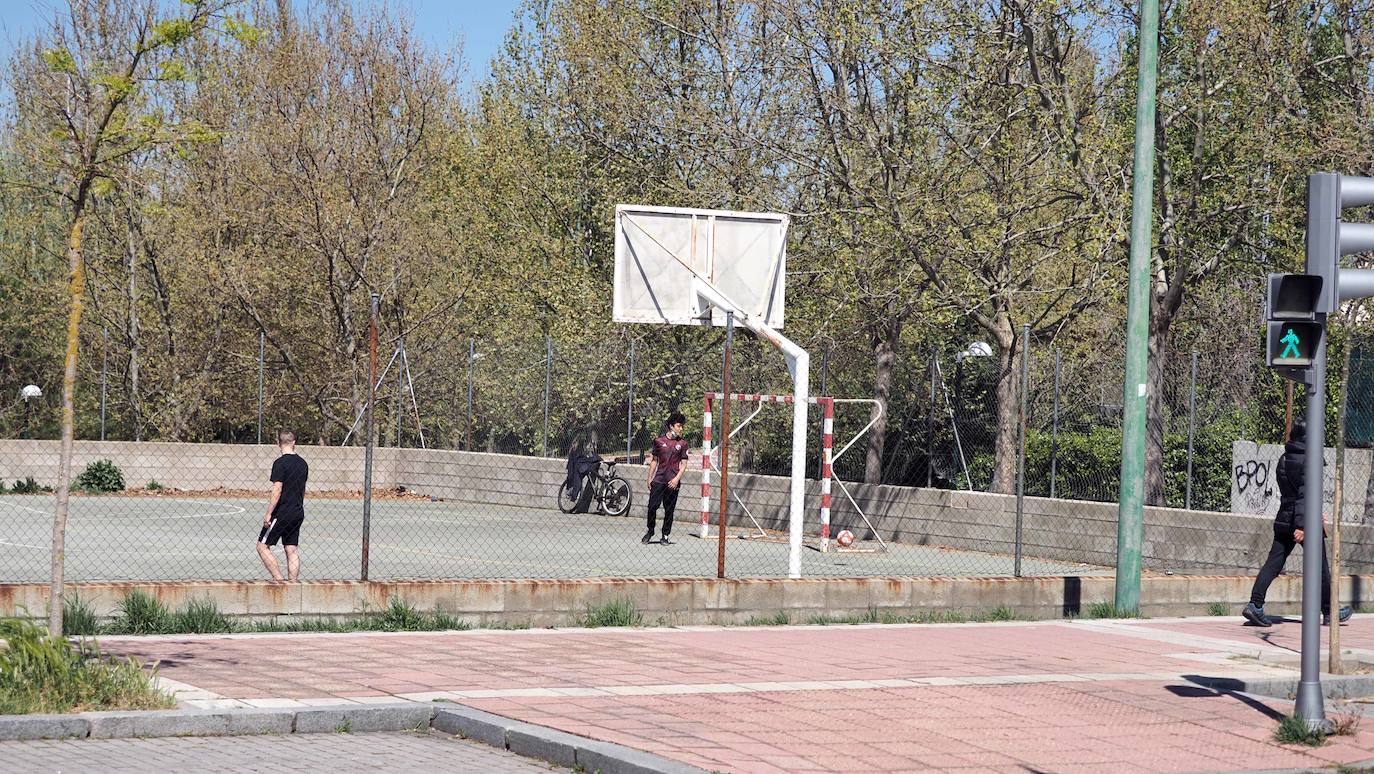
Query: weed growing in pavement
[[619, 612], [999, 613], [1218, 608], [1108, 610], [780, 618], [1293, 730], [1346, 722]]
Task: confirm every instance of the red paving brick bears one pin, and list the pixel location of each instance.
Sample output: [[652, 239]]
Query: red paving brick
[[1088, 696]]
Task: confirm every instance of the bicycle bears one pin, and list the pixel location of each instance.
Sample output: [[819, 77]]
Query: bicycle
[[610, 492]]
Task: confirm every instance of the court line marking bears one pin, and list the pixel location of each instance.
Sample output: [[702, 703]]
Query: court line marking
[[234, 510]]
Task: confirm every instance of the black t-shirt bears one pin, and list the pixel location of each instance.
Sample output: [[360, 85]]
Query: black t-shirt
[[292, 472]]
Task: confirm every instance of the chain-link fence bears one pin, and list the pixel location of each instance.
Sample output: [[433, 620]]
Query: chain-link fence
[[981, 462]]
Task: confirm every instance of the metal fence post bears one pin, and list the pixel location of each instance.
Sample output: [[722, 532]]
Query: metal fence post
[[1054, 432], [725, 442], [104, 376], [262, 356], [825, 371], [371, 430], [400, 385], [1192, 430], [930, 426], [548, 386], [1021, 450], [472, 359], [630, 408]]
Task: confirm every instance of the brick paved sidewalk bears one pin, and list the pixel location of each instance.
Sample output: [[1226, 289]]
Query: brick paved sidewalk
[[345, 753], [1120, 696]]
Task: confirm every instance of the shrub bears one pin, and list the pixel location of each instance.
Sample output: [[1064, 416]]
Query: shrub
[[142, 613], [1294, 730], [154, 486], [42, 674], [100, 476]]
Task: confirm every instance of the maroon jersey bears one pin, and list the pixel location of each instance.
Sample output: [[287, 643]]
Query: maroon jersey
[[671, 455]]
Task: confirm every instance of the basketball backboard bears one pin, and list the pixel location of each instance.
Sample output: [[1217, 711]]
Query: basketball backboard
[[659, 251]]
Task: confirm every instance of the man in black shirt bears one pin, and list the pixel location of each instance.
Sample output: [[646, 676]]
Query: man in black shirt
[[286, 510]]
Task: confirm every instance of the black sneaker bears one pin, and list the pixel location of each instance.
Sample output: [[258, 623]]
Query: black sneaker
[[1255, 615], [665, 541], [648, 537]]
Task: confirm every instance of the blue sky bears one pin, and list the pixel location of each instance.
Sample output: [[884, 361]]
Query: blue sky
[[480, 26]]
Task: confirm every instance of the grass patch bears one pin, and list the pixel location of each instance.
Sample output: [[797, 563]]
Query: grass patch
[[1108, 610], [1292, 730], [78, 617], [28, 486], [872, 616], [618, 612], [202, 616], [1218, 608], [999, 613], [399, 616], [42, 674], [154, 486], [779, 618], [142, 613]]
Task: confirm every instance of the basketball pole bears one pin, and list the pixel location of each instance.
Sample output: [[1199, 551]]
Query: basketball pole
[[799, 365]]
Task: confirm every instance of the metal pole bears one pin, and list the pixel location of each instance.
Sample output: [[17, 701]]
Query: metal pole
[[1323, 246], [930, 428], [104, 376], [1309, 699], [396, 409], [725, 442], [1192, 432], [262, 356], [825, 371], [472, 359], [1130, 532], [371, 430], [1054, 431], [630, 408], [1021, 446], [1334, 634], [548, 385]]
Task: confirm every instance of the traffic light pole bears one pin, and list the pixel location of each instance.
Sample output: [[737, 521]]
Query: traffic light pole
[[1130, 525]]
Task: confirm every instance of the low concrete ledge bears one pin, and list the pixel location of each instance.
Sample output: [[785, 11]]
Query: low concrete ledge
[[690, 601], [525, 739]]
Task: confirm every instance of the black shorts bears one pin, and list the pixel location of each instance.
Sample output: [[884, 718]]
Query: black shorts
[[288, 531]]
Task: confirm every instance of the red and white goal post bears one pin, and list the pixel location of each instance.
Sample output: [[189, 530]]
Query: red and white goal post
[[709, 455]]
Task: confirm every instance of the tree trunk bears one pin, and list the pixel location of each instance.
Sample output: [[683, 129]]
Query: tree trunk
[[77, 294], [1008, 407], [132, 332], [1154, 416], [885, 361]]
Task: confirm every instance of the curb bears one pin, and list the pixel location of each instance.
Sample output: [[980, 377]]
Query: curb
[[1333, 686], [524, 739]]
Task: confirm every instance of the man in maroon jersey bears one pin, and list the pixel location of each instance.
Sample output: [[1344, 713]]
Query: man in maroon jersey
[[666, 466]]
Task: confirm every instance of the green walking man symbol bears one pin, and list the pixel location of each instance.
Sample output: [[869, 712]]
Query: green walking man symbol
[[1290, 342]]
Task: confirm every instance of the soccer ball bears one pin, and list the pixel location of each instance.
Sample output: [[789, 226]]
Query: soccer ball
[[845, 538]]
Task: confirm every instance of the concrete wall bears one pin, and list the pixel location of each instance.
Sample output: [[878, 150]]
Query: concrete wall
[[1064, 530], [691, 601]]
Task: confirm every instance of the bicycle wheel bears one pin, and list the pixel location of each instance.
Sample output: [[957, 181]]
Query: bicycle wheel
[[616, 497], [567, 502]]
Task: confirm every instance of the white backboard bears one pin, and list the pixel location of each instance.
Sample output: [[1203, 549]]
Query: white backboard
[[658, 250]]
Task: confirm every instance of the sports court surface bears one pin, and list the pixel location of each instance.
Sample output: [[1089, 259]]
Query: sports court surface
[[171, 537]]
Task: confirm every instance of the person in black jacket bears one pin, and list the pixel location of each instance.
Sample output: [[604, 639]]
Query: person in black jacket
[[1288, 531]]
